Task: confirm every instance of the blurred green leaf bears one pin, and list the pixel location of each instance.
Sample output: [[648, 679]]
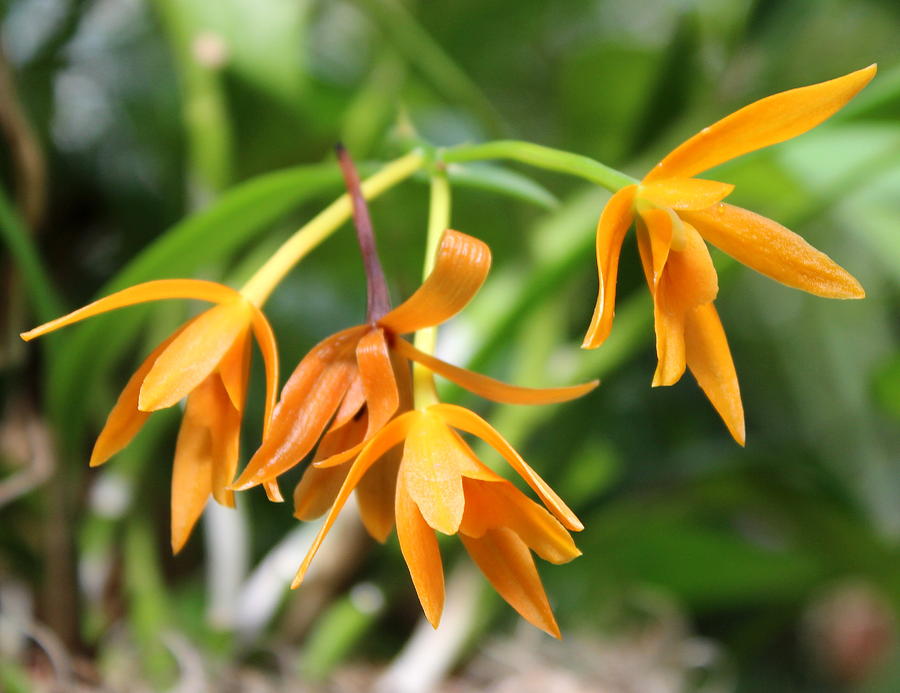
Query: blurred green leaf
[[501, 180]]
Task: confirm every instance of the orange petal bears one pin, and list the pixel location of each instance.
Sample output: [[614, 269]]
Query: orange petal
[[500, 504], [655, 226], [273, 492], [430, 471], [614, 222], [709, 359], [419, 546], [489, 388], [262, 330], [308, 401], [351, 405], [688, 280], [469, 421], [388, 437], [234, 370], [768, 121], [375, 494], [461, 266], [193, 355], [377, 373], [141, 293], [192, 472], [507, 563], [318, 487], [775, 251], [125, 419], [684, 193]]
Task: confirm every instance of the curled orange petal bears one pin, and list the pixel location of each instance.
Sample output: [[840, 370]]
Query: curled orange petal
[[768, 121], [234, 369], [461, 266], [489, 388], [193, 355], [265, 338], [140, 293], [507, 564], [614, 222], [419, 546], [771, 249], [470, 422], [684, 193], [710, 361], [376, 371]]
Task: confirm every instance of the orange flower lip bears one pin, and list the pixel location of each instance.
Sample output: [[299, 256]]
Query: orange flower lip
[[675, 212]]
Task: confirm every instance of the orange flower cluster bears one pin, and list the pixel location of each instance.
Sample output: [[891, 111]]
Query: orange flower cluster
[[351, 400]]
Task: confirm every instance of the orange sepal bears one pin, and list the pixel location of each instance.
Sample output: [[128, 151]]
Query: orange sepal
[[125, 419], [193, 355], [265, 338], [614, 222], [419, 546], [490, 505], [375, 495], [140, 293], [461, 266], [771, 249], [768, 121], [489, 388], [709, 359], [470, 422], [507, 564], [376, 371], [684, 193]]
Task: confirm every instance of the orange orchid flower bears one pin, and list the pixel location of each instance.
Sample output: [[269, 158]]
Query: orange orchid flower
[[360, 368], [440, 485], [675, 213], [206, 360]]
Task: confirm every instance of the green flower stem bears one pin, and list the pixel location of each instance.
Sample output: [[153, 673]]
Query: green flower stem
[[426, 340], [541, 157]]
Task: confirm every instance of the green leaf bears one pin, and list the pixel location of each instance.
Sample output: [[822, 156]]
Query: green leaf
[[503, 181]]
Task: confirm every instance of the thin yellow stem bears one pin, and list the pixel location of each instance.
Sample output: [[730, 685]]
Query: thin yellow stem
[[260, 286], [424, 391]]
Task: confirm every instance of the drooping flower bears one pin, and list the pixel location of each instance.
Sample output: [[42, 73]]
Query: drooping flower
[[206, 360], [674, 213], [365, 370], [441, 486]]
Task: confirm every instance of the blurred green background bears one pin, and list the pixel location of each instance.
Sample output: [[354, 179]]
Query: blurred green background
[[167, 138]]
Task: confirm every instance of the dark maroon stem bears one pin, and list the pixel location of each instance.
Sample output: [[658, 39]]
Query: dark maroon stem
[[379, 300]]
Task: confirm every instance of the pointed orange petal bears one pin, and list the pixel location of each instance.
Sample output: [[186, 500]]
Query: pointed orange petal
[[375, 494], [768, 121], [388, 437], [193, 355], [234, 370], [684, 193], [614, 222], [655, 226], [430, 472], [265, 338], [507, 564], [140, 293], [489, 388], [273, 492], [490, 505], [350, 407], [318, 487], [688, 280], [461, 266], [419, 546], [225, 430], [192, 471], [125, 419], [710, 361], [774, 251], [308, 401], [470, 422], [377, 373]]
